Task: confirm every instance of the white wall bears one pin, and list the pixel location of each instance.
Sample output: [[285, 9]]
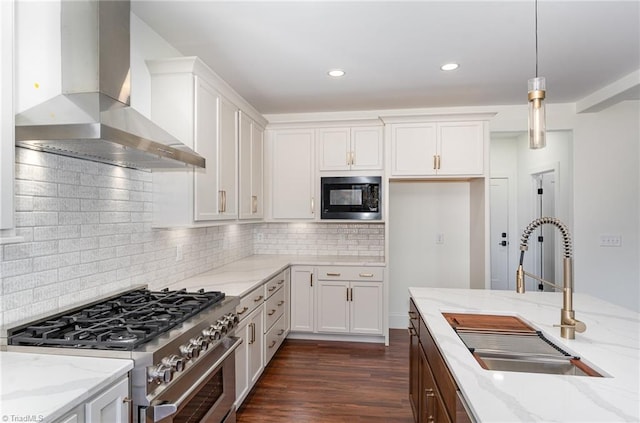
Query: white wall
[[606, 202], [418, 212]]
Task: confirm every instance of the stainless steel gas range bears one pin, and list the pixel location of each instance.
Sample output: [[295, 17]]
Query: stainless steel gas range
[[184, 360]]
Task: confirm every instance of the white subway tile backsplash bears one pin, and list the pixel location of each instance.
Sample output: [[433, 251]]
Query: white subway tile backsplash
[[87, 232]]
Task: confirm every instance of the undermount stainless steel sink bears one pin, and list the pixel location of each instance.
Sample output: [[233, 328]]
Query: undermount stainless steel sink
[[518, 348], [530, 364]]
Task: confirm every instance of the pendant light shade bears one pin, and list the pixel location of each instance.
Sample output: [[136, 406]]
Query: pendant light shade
[[537, 125], [537, 91]]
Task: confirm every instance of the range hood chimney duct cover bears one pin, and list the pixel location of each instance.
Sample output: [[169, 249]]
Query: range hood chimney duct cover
[[92, 118]]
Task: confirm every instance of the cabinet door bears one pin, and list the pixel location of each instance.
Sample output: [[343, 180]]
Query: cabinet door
[[413, 147], [109, 406], [334, 149], [242, 362], [414, 371], [366, 308], [461, 148], [431, 406], [332, 306], [293, 188], [245, 125], [257, 174], [255, 345], [366, 148], [227, 160], [302, 299], [206, 198], [287, 298]]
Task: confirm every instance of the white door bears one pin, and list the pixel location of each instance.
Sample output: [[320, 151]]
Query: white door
[[500, 269], [543, 243]]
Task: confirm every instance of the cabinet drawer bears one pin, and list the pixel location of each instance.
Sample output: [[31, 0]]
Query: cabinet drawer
[[349, 273], [274, 308], [273, 284], [249, 302], [444, 380], [274, 338]]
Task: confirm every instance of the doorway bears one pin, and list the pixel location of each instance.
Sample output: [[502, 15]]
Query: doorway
[[499, 238], [543, 242]]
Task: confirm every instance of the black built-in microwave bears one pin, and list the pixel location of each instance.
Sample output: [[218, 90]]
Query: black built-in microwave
[[351, 197]]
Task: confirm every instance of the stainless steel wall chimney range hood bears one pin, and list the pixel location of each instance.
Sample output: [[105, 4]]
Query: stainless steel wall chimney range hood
[[92, 118]]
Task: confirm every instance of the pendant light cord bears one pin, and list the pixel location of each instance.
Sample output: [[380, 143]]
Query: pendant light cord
[[536, 24]]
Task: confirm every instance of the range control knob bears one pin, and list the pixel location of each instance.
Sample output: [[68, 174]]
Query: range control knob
[[229, 321], [200, 343], [189, 351], [175, 361], [212, 332], [161, 373]]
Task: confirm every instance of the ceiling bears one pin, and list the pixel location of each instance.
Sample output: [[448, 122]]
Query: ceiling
[[276, 54]]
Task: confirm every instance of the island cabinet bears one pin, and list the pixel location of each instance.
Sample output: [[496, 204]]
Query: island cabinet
[[250, 195], [426, 149], [350, 148], [292, 174], [433, 393], [188, 105]]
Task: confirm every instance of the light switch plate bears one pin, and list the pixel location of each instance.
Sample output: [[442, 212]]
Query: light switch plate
[[610, 240]]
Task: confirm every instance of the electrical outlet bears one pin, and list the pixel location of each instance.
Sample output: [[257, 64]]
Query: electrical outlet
[[179, 253], [610, 240], [259, 237]]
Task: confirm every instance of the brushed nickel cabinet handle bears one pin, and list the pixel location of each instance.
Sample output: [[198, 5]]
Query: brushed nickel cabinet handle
[[272, 288], [254, 204], [244, 310], [280, 303], [366, 275], [333, 274], [271, 313], [255, 300], [413, 315], [313, 207], [273, 343], [281, 281], [280, 332]]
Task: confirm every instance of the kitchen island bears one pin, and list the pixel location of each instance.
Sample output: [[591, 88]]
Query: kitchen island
[[610, 345], [47, 387]]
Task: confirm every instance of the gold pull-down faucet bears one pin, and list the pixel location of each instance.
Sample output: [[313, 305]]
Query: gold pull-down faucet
[[569, 325]]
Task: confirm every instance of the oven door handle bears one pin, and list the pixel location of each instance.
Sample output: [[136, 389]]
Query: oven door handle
[[159, 412]]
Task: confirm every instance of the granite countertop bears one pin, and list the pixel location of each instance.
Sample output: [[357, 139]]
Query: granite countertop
[[242, 276], [44, 387], [611, 345]]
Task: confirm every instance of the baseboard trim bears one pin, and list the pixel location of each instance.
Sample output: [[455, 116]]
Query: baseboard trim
[[336, 337]]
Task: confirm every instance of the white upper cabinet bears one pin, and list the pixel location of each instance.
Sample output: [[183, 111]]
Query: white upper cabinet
[[453, 148], [251, 199], [6, 118], [356, 148], [292, 174], [191, 108]]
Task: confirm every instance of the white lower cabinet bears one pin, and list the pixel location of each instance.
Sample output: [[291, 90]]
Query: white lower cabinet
[[111, 405], [263, 314], [337, 300], [302, 299], [249, 355], [345, 306], [75, 416]]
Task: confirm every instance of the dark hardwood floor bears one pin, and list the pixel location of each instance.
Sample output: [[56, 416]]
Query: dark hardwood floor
[[333, 382]]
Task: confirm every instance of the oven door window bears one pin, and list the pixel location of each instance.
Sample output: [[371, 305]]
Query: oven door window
[[203, 402]]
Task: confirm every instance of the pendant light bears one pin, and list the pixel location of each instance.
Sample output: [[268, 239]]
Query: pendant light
[[537, 129]]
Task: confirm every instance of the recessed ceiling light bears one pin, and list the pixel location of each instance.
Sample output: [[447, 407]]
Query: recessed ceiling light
[[336, 73], [449, 66]]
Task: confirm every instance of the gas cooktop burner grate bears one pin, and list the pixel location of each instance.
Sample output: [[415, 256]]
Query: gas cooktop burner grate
[[120, 323]]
